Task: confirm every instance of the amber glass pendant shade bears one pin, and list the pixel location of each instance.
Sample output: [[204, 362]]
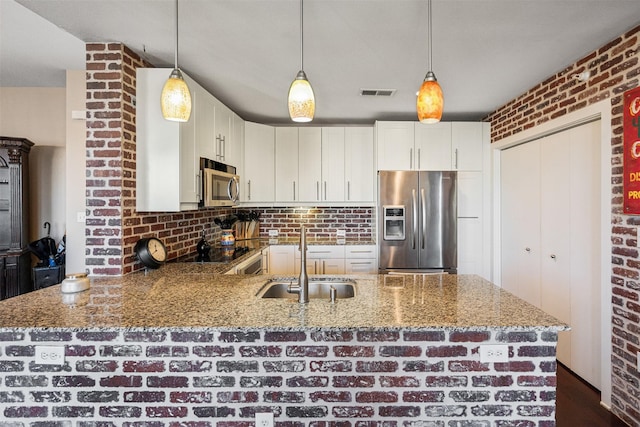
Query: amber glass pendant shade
[[175, 99], [430, 102], [301, 100]]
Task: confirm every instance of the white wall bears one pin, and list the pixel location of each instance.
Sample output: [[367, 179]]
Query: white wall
[[38, 114], [35, 113], [76, 178]]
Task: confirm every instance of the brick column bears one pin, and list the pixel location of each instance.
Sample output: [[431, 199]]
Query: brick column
[[110, 197]]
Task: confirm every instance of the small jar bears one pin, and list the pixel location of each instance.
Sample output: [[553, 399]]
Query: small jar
[[75, 282], [227, 239]]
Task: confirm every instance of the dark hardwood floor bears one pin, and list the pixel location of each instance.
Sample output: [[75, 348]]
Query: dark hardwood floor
[[578, 404]]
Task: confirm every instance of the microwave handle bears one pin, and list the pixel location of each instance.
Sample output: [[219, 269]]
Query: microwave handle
[[231, 197]]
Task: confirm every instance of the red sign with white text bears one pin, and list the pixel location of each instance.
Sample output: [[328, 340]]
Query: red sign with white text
[[631, 166]]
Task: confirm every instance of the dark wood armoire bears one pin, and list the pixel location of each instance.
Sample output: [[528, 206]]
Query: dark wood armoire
[[15, 257]]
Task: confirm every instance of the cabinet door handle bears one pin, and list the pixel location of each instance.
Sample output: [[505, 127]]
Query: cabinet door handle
[[324, 267], [317, 190], [294, 190], [348, 190], [198, 187], [249, 190], [325, 190], [456, 158], [410, 158], [419, 159], [527, 249], [223, 147], [553, 256]]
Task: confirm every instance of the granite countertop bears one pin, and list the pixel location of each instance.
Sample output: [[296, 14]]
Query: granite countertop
[[195, 295]]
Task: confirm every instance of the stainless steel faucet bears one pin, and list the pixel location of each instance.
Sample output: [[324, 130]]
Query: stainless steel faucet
[[302, 288]]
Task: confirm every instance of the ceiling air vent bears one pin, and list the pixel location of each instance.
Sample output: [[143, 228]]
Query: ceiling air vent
[[377, 92]]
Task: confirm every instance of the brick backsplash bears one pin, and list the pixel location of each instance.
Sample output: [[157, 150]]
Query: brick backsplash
[[321, 222], [209, 377], [614, 69]]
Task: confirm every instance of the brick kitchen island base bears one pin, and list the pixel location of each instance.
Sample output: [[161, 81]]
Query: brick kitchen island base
[[407, 370]]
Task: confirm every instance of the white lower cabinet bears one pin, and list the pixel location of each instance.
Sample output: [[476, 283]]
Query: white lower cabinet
[[361, 259], [550, 216], [281, 259], [471, 250], [322, 259]]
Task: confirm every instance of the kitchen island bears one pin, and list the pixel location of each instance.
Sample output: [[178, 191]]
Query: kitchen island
[[186, 344]]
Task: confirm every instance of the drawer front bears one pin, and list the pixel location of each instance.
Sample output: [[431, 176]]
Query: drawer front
[[363, 266], [323, 252], [361, 251]]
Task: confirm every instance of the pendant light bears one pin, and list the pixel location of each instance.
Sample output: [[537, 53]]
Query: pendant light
[[301, 101], [430, 101], [175, 99]]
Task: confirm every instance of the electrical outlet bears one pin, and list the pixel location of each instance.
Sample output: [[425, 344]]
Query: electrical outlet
[[273, 233], [264, 419], [494, 353], [341, 233], [50, 355], [81, 216]]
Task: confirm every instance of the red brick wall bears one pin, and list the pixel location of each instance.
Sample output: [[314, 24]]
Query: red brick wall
[[209, 377], [614, 69]]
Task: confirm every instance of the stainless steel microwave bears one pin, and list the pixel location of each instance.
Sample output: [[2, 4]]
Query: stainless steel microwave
[[220, 184]]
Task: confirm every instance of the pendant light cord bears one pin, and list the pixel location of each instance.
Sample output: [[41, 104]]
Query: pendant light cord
[[430, 36], [301, 35], [176, 55]]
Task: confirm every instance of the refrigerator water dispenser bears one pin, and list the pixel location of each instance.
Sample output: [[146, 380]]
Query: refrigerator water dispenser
[[394, 222]]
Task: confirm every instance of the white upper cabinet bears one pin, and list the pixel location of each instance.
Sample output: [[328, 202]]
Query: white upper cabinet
[[310, 163], [223, 142], [359, 170], [438, 146], [433, 146], [287, 187], [395, 142], [258, 175], [234, 154], [333, 165], [166, 152], [204, 108], [467, 141]]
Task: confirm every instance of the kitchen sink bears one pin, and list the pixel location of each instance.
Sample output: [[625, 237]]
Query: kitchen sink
[[318, 289]]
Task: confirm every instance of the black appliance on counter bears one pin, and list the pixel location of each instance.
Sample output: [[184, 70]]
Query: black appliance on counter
[[217, 254]]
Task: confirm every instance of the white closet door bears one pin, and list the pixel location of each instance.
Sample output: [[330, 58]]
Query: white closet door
[[520, 221], [585, 258], [555, 217]]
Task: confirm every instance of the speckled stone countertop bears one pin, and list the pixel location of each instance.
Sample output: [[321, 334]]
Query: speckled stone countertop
[[193, 295]]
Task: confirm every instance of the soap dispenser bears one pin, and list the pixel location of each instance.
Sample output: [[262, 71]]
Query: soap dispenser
[[203, 248]]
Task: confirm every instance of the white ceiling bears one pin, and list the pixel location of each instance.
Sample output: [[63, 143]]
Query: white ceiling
[[247, 52]]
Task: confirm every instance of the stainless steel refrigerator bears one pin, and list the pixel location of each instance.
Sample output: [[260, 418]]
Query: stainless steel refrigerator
[[417, 214]]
